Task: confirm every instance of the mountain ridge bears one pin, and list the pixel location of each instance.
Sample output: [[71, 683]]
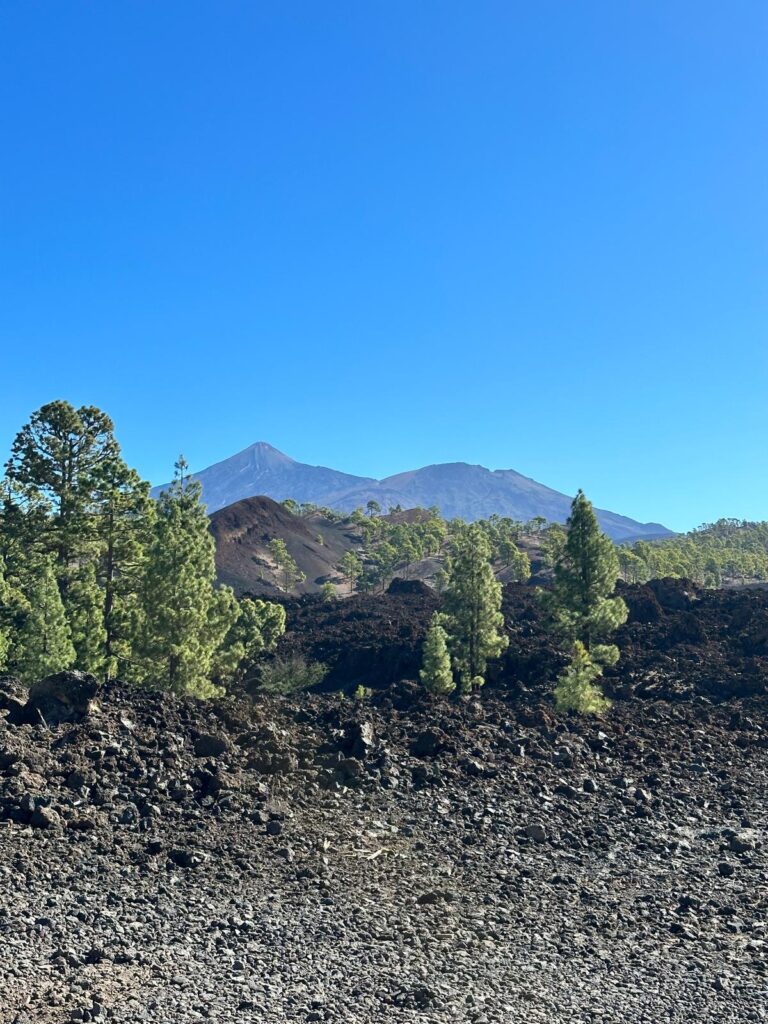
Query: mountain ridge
[[459, 489]]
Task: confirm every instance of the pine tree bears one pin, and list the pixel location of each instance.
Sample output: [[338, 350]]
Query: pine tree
[[84, 609], [472, 608], [436, 673], [52, 473], [292, 575], [258, 627], [581, 601], [184, 618], [124, 518], [576, 688], [351, 567], [41, 643], [69, 494], [553, 544], [6, 615]]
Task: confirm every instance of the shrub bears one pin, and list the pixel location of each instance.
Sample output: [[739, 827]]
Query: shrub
[[436, 674], [576, 689], [291, 674]]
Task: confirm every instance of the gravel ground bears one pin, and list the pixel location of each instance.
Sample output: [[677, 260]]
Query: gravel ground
[[391, 860]]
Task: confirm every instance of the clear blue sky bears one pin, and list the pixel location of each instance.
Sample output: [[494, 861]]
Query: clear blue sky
[[384, 234]]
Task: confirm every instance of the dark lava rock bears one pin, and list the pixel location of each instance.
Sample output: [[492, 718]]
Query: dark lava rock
[[184, 858], [209, 745], [44, 817], [359, 739], [429, 743], [411, 587], [430, 897], [64, 697], [536, 832], [673, 594], [13, 696], [741, 843]]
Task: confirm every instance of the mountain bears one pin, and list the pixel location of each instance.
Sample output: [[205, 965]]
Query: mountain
[[456, 488], [262, 469]]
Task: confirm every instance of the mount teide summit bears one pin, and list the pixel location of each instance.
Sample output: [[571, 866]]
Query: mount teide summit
[[456, 488]]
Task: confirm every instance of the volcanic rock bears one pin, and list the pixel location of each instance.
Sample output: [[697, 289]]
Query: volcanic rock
[[63, 697]]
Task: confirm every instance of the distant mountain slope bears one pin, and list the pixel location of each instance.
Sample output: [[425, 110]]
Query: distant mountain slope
[[456, 488], [262, 469], [473, 492]]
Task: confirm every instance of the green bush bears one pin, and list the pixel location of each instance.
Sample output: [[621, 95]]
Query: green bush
[[291, 674], [577, 689]]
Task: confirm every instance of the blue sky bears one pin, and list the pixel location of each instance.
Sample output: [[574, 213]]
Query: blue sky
[[380, 235]]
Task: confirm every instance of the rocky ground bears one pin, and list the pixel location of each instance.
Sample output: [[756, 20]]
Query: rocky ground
[[395, 859], [679, 640]]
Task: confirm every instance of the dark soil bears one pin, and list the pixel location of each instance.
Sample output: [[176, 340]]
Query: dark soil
[[398, 859]]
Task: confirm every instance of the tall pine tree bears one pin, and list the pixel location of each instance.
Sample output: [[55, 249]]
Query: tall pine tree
[[581, 602], [69, 495], [124, 514], [52, 472], [184, 618]]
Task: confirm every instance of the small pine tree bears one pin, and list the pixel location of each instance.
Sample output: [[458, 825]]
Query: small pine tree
[[472, 608], [292, 575], [351, 567], [258, 627], [328, 591], [436, 673], [576, 688], [553, 544]]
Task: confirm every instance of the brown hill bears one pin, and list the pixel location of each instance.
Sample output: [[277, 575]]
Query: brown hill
[[242, 532]]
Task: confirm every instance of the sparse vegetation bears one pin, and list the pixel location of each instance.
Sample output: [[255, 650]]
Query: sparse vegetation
[[286, 564], [291, 674]]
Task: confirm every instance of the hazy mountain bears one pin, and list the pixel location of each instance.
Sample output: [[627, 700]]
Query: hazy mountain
[[262, 469], [456, 488]]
